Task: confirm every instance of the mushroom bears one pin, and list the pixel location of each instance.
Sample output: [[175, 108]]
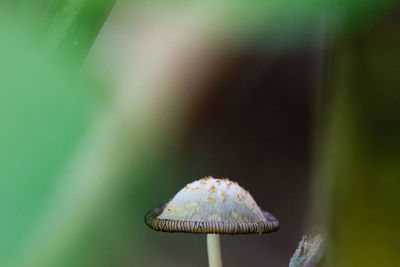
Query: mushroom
[[212, 206]]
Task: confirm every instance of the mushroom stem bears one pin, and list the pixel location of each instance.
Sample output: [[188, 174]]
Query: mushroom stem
[[214, 250]]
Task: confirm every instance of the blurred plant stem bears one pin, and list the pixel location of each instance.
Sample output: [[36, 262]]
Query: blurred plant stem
[[360, 167]]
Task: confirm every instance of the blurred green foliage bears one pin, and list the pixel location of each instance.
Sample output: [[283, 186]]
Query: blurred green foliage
[[362, 155], [45, 109], [73, 25]]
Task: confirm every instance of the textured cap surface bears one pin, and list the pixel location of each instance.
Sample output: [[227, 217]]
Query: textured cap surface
[[212, 205]]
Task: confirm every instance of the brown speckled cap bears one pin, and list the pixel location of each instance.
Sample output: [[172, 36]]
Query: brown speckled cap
[[212, 206]]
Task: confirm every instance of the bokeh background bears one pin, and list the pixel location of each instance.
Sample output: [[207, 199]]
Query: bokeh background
[[108, 108]]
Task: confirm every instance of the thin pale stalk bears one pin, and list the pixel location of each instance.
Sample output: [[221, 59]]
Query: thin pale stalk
[[214, 250]]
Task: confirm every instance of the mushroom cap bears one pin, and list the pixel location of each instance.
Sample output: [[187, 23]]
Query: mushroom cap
[[212, 206]]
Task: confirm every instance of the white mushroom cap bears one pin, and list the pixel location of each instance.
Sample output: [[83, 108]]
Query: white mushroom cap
[[212, 205], [213, 200]]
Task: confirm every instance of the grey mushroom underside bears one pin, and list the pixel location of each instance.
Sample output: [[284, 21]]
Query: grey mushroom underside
[[271, 224]]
